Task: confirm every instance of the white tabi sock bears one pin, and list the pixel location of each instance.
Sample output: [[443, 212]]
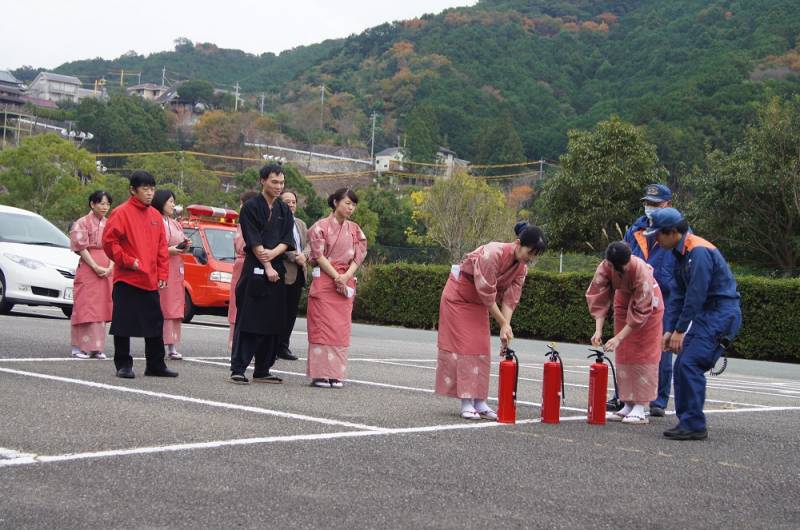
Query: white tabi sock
[[625, 410], [481, 405], [466, 405], [638, 411], [171, 348], [75, 350]]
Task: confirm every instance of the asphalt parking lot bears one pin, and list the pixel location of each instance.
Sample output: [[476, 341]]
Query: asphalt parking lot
[[81, 448]]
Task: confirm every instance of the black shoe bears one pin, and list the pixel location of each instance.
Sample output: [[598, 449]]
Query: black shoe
[[271, 379], [238, 379], [161, 372], [126, 373], [670, 432], [657, 412], [686, 434], [614, 404], [287, 355]]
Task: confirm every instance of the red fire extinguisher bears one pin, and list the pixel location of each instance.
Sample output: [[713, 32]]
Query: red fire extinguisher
[[552, 387], [507, 388], [598, 387]]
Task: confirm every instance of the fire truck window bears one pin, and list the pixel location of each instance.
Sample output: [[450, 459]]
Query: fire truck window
[[194, 236], [221, 243]]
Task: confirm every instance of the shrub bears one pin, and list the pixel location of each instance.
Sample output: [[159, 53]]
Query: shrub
[[553, 307]]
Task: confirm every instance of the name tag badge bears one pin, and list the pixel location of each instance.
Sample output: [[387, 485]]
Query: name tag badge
[[316, 272], [181, 270], [258, 271], [350, 292], [455, 270]]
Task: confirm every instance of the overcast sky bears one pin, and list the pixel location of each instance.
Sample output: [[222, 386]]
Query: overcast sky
[[47, 33]]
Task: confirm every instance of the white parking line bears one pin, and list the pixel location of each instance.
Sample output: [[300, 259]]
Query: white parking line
[[218, 404], [29, 458]]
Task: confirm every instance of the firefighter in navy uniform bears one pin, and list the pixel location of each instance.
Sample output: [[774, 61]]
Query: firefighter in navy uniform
[[703, 316], [656, 196]]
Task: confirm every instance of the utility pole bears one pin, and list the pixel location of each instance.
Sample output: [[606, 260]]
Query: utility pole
[[541, 168], [372, 149], [122, 78], [163, 76], [322, 108], [236, 103], [262, 103], [139, 78]]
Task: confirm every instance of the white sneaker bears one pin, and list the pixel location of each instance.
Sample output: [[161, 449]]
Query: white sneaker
[[81, 355], [175, 356], [98, 355], [335, 383], [321, 383]]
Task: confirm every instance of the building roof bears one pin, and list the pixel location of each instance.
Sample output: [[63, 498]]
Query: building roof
[[390, 151], [7, 77], [50, 76], [146, 86]]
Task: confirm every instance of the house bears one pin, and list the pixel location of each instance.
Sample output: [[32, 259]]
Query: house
[[11, 90], [389, 160], [448, 159], [148, 91], [58, 87]]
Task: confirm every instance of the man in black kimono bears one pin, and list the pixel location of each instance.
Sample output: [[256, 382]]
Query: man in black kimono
[[267, 226]]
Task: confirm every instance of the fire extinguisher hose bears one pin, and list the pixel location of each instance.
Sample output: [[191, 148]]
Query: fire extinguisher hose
[[555, 356]]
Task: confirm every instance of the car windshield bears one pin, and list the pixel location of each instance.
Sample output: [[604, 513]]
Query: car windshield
[[30, 229], [221, 243]]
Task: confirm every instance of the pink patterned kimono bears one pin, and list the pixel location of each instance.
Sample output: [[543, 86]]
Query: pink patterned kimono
[[329, 315], [92, 306], [238, 247], [172, 296], [489, 274], [637, 302]]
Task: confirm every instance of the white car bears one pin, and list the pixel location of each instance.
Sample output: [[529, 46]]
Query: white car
[[36, 265]]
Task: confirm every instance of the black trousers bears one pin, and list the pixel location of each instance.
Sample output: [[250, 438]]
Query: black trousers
[[153, 353], [293, 294], [248, 345]]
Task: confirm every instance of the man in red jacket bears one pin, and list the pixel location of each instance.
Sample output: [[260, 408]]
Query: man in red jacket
[[134, 239]]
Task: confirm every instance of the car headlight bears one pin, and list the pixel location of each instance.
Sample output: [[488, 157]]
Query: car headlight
[[218, 276], [26, 262]]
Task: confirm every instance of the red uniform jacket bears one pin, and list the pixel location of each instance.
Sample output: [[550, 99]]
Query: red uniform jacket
[[135, 231]]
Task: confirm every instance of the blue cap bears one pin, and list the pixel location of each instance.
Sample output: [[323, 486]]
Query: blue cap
[[664, 219], [657, 193]]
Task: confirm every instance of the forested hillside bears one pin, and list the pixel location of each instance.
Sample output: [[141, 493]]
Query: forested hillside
[[505, 79]]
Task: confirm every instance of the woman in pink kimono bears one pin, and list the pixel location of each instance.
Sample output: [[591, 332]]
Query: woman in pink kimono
[[338, 247], [627, 282], [238, 247], [172, 296], [488, 281], [92, 306]]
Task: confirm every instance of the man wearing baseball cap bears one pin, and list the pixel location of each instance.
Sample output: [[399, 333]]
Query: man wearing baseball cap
[[703, 315], [656, 196]]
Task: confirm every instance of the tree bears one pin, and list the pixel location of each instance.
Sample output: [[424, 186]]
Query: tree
[[749, 199], [394, 215], [367, 219], [48, 175], [196, 91], [499, 143], [461, 213], [599, 184], [124, 124], [184, 174], [423, 134]]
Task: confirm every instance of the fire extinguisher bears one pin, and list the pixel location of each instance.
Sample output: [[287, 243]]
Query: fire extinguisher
[[598, 387], [507, 388], [552, 387]]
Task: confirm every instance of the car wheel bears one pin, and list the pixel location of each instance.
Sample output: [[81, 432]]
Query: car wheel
[[67, 311], [5, 305], [188, 308]]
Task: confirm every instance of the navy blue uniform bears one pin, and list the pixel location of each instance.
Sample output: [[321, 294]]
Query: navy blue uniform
[[663, 263], [704, 304]]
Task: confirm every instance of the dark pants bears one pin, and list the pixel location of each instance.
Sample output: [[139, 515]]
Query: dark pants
[[701, 349], [248, 345], [293, 294], [664, 381], [153, 353]]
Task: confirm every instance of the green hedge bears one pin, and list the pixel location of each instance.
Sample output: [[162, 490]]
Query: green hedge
[[553, 307]]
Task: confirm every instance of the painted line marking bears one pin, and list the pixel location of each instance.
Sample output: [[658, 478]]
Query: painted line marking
[[27, 459], [175, 397]]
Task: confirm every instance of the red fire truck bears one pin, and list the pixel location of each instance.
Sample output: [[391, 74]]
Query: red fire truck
[[208, 263]]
